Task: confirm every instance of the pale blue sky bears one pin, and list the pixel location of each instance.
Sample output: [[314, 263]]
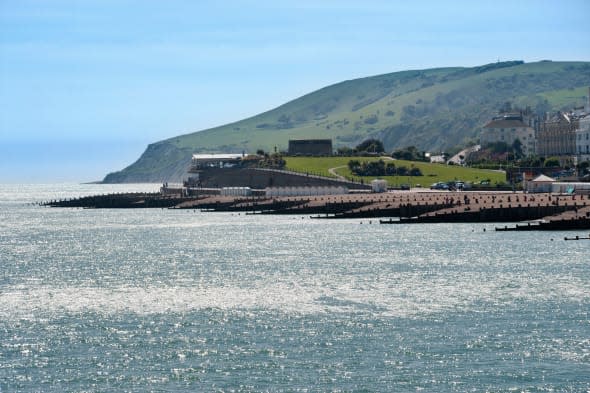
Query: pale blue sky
[[85, 85]]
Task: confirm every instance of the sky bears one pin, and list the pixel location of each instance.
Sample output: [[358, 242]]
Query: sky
[[86, 85]]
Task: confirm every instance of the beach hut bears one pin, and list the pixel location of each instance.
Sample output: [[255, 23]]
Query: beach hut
[[379, 185], [540, 183]]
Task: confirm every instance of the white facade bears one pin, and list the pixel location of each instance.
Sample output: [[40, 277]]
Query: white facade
[[583, 140], [304, 191], [541, 183], [570, 188], [508, 129], [215, 160], [235, 191], [379, 185], [437, 159]]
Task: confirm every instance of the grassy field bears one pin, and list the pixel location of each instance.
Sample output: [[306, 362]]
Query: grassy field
[[432, 173]]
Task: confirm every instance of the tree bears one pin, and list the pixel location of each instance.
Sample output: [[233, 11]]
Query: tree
[[531, 161], [402, 170], [517, 148], [390, 169], [498, 147], [551, 162], [409, 153], [367, 168], [353, 165], [415, 171], [371, 146], [344, 151], [583, 168]]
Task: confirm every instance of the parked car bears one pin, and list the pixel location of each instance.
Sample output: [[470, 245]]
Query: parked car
[[439, 186]]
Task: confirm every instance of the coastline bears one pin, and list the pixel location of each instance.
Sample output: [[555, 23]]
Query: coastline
[[564, 211]]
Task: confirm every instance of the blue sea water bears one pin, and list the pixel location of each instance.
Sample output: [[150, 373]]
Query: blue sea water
[[165, 300]]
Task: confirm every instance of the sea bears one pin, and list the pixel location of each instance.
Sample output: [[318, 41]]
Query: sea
[[161, 300]]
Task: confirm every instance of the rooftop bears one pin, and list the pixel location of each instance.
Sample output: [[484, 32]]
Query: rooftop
[[224, 156], [506, 122]]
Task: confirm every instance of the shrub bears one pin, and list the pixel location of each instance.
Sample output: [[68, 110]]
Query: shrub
[[415, 172], [551, 162], [402, 171], [410, 153], [371, 145]]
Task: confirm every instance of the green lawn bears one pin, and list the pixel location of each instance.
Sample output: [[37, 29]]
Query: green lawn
[[432, 173], [317, 165]]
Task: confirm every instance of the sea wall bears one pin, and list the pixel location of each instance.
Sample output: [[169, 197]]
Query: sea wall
[[262, 178]]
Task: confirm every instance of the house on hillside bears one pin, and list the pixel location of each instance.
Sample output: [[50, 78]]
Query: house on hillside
[[563, 134], [509, 127]]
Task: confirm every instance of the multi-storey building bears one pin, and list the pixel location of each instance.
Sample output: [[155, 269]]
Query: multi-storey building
[[557, 135], [564, 134], [509, 127], [583, 139]]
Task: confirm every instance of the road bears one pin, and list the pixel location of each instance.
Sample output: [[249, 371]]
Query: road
[[456, 159]]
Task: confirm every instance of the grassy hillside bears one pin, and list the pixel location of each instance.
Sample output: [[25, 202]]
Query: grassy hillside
[[433, 109]]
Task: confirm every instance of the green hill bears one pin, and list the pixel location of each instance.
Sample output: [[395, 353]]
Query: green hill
[[433, 109]]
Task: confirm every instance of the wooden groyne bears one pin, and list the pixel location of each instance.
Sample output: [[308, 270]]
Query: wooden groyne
[[553, 225], [402, 207], [577, 238], [119, 201], [494, 214], [576, 219]]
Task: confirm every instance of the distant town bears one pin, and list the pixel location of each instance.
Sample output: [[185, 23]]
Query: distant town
[[564, 135]]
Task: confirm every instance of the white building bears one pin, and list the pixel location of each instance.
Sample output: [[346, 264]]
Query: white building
[[570, 188], [305, 191], [379, 185], [583, 139], [541, 183], [583, 134], [508, 128], [235, 191], [216, 160]]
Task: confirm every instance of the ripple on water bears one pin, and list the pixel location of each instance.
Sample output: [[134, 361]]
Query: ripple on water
[[138, 300]]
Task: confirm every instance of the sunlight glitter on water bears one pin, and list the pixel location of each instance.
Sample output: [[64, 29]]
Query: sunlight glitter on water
[[136, 300]]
